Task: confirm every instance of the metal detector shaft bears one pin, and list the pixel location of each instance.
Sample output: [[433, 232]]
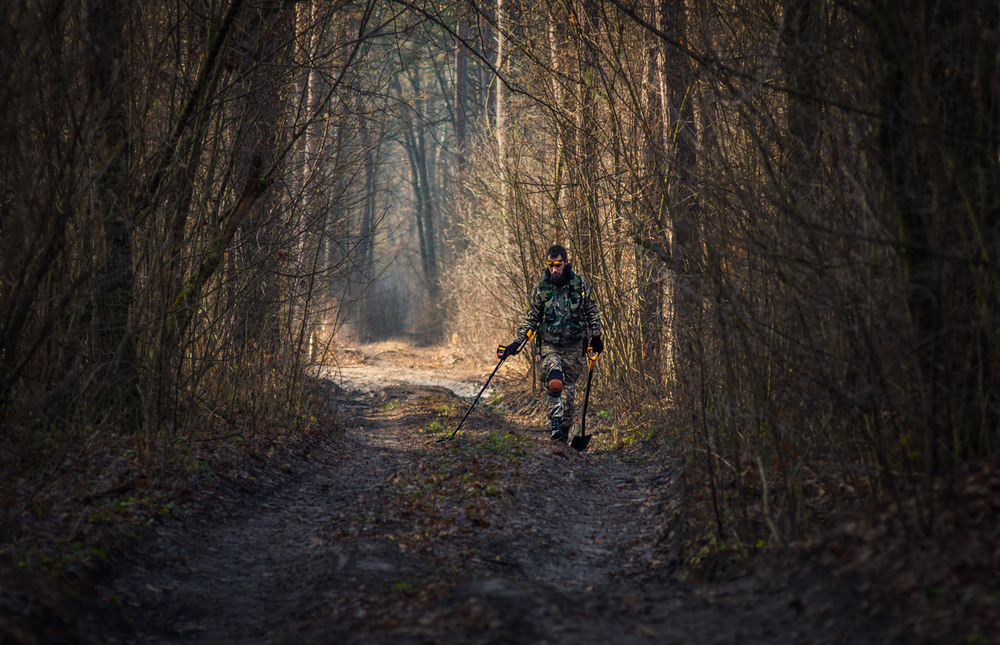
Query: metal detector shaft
[[474, 401], [485, 385]]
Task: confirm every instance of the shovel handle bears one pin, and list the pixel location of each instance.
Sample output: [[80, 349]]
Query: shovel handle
[[582, 437]]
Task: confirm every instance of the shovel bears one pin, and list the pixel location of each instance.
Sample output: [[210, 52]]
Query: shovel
[[500, 353], [581, 440]]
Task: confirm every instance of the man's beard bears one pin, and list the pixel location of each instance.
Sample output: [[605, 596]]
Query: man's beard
[[562, 278]]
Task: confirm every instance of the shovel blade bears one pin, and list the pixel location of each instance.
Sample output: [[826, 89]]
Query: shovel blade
[[580, 442]]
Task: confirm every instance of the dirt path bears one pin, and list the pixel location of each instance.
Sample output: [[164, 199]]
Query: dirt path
[[380, 536]]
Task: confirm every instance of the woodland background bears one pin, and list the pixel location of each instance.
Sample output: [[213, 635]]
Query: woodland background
[[788, 209]]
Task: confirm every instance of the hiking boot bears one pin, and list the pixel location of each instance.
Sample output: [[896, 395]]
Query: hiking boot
[[558, 432]]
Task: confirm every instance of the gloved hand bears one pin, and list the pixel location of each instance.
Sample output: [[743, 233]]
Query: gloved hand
[[510, 350], [597, 344]]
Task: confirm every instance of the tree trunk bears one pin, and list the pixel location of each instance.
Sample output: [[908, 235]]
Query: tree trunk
[[426, 197], [653, 199], [413, 157], [366, 231], [414, 140], [262, 111], [500, 120], [558, 52], [803, 33], [461, 98], [676, 85], [113, 285], [310, 94], [586, 207]]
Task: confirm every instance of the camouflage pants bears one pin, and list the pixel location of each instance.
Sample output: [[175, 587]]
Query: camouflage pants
[[569, 360]]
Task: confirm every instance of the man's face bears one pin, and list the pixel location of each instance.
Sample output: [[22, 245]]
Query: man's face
[[556, 265]]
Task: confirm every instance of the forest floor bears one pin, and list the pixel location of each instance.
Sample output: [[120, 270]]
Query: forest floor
[[373, 533]]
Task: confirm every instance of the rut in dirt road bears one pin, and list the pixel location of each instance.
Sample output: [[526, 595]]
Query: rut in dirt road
[[497, 537]]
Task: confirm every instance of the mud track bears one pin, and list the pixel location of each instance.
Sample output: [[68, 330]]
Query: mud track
[[379, 535]]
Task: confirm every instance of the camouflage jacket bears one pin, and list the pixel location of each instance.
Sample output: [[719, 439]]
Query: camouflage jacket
[[561, 315]]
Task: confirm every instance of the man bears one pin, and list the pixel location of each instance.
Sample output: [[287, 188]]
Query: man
[[565, 317]]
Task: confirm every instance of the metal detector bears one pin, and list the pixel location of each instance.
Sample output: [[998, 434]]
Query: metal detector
[[501, 349]]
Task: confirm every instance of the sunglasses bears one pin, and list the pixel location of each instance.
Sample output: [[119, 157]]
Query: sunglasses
[[556, 263]]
